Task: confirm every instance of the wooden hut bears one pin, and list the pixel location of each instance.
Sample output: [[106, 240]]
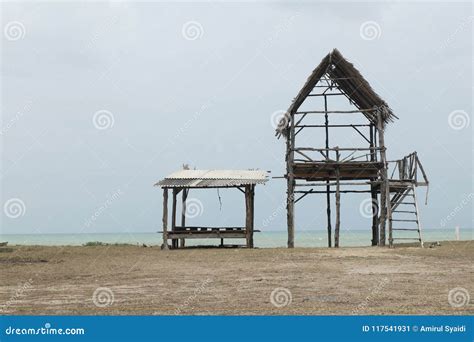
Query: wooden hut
[[185, 180], [361, 168]]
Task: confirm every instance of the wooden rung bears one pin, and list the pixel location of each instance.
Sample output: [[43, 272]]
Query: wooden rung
[[410, 229], [407, 239], [399, 220], [404, 211]]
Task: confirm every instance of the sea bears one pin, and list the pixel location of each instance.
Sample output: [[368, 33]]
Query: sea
[[266, 239]]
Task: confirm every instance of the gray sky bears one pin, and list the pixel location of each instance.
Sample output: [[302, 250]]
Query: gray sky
[[198, 84]]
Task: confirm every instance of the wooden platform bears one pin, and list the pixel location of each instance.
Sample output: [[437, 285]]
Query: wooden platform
[[318, 171], [208, 233]]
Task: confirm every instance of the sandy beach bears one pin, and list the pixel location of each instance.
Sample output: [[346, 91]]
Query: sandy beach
[[125, 280]]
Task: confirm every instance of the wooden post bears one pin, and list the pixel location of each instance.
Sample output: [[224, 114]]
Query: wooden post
[[373, 192], [338, 204], [389, 215], [165, 219], [247, 215], [384, 181], [328, 188], [252, 211], [290, 202], [183, 215], [174, 242], [375, 210]]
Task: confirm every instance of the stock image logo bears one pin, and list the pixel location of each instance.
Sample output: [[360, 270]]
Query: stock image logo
[[103, 119], [194, 208], [103, 297], [281, 297], [14, 208], [370, 30], [458, 297], [14, 30], [192, 30], [458, 119]]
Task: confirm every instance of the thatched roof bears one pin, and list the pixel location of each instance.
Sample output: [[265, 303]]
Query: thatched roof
[[350, 81]]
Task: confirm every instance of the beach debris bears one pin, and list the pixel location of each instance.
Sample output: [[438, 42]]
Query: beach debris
[[435, 244]]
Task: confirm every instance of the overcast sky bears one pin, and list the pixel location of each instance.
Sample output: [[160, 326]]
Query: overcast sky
[[101, 100]]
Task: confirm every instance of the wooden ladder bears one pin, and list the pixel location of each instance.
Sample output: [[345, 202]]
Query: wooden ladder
[[404, 216]]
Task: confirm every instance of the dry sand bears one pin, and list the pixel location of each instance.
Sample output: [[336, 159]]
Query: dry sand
[[370, 280]]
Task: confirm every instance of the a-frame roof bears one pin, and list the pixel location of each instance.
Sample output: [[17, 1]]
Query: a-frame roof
[[350, 81]]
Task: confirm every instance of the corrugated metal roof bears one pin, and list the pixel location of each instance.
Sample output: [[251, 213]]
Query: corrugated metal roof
[[213, 178]]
